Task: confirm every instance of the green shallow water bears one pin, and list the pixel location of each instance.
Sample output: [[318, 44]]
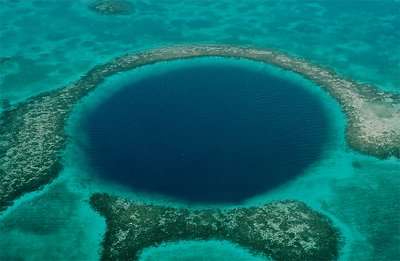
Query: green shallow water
[[359, 193]]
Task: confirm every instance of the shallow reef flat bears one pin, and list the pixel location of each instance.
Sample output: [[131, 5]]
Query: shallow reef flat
[[32, 133], [32, 138], [285, 230]]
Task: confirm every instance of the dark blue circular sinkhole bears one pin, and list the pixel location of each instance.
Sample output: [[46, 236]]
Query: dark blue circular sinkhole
[[206, 133]]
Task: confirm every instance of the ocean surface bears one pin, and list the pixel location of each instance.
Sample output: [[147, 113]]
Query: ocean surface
[[45, 45]]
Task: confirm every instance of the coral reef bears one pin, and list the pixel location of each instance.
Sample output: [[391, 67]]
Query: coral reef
[[285, 230], [112, 7]]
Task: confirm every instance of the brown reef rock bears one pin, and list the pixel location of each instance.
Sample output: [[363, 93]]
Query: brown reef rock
[[284, 230]]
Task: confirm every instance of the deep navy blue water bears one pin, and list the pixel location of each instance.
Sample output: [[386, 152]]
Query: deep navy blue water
[[206, 133]]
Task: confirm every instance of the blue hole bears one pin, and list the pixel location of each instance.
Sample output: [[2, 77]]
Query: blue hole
[[206, 133]]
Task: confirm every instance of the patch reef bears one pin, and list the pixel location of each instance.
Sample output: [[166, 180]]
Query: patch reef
[[112, 7]]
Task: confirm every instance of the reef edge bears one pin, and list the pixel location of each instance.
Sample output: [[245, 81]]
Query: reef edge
[[283, 230]]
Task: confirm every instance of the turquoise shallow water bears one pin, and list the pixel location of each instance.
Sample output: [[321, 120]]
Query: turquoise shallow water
[[56, 41], [51, 43]]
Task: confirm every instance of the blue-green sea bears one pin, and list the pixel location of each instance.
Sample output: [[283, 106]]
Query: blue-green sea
[[48, 44]]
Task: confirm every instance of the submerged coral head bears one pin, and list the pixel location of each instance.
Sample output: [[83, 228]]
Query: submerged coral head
[[112, 7]]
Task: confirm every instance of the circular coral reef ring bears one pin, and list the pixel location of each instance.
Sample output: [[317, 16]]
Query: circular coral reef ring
[[32, 133], [112, 7]]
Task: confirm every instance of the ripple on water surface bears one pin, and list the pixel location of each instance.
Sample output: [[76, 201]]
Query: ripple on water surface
[[206, 133]]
